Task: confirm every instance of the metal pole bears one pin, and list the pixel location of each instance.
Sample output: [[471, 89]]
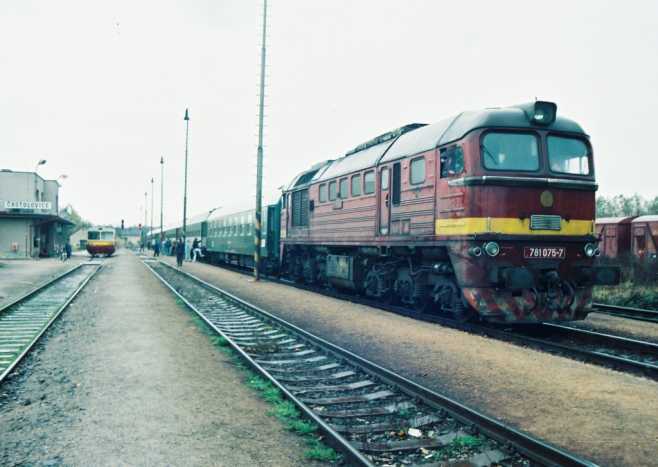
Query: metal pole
[[161, 195], [145, 217], [259, 163], [152, 198], [187, 131]]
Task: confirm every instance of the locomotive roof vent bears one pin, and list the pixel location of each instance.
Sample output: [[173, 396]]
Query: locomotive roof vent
[[540, 112], [386, 137]]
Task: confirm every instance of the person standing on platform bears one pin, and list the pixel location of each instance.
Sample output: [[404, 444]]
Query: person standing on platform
[[156, 248], [180, 252], [67, 248]]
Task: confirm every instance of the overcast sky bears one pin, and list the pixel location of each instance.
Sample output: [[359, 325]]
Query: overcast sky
[[99, 89]]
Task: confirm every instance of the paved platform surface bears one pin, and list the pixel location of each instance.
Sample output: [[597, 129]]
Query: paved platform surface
[[20, 276], [604, 415], [125, 377]]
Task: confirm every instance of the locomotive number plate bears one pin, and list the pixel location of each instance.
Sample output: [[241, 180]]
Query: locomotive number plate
[[544, 252]]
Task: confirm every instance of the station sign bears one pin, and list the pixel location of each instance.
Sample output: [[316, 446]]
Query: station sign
[[41, 205]]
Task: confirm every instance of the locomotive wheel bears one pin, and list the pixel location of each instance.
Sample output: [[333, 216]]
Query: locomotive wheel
[[448, 297]]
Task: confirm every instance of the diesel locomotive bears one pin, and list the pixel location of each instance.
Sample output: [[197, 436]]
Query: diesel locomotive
[[488, 214], [101, 241]]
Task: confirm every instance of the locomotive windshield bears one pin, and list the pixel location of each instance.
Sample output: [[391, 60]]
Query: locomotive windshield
[[107, 235], [510, 151], [93, 235], [568, 156]]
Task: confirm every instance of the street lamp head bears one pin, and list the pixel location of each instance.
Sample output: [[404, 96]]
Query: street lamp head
[[41, 162], [187, 115], [161, 159]]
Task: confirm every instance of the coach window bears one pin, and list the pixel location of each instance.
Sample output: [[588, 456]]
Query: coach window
[[452, 161], [343, 193], [417, 171], [369, 182], [332, 191], [323, 193], [356, 185]]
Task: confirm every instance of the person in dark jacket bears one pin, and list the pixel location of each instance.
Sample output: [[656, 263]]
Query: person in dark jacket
[[180, 252], [67, 248]]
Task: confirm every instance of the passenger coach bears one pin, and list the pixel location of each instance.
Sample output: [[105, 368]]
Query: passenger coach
[[487, 213]]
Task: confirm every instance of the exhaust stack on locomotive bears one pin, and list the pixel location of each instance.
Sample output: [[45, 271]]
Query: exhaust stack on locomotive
[[489, 213]]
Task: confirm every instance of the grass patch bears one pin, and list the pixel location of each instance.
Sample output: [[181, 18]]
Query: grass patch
[[318, 451], [628, 294]]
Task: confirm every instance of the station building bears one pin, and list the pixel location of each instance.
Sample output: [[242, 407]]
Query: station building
[[29, 222]]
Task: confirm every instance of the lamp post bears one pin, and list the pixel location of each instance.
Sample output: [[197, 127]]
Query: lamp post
[[187, 133], [41, 162], [161, 195], [151, 228], [145, 216]]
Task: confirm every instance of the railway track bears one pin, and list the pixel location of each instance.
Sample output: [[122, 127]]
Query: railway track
[[26, 319], [627, 312], [617, 352], [371, 415]]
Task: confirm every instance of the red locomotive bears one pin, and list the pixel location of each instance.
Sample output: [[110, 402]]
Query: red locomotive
[[489, 213]]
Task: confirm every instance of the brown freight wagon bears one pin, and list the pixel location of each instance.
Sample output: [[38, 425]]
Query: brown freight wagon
[[615, 236], [645, 238]]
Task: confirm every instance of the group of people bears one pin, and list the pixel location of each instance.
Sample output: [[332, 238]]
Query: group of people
[[177, 249]]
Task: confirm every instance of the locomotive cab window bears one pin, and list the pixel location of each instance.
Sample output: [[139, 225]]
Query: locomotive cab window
[[568, 156], [417, 171], [343, 192], [332, 191], [356, 185], [510, 151], [323, 193], [452, 161], [369, 182]]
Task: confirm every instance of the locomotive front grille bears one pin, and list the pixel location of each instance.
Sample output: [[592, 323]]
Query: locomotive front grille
[[545, 222]]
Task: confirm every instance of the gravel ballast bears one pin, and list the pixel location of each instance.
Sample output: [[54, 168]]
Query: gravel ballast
[[607, 416], [125, 377], [18, 277]]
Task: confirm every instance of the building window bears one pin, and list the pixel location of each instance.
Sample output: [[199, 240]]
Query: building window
[[332, 191], [369, 182], [417, 171], [356, 185], [323, 193], [343, 193]]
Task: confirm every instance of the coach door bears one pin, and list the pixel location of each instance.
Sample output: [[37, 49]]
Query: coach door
[[384, 201]]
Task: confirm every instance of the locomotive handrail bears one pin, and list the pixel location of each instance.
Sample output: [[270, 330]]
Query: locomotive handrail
[[584, 185]]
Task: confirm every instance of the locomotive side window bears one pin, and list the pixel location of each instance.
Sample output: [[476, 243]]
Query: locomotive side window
[[417, 171], [343, 193], [385, 179], [452, 161], [397, 184], [356, 185], [568, 156], [332, 191], [510, 151], [323, 193], [369, 182]]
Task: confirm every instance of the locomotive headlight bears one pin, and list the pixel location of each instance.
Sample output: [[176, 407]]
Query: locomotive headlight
[[492, 249], [540, 112], [590, 250], [475, 251]]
